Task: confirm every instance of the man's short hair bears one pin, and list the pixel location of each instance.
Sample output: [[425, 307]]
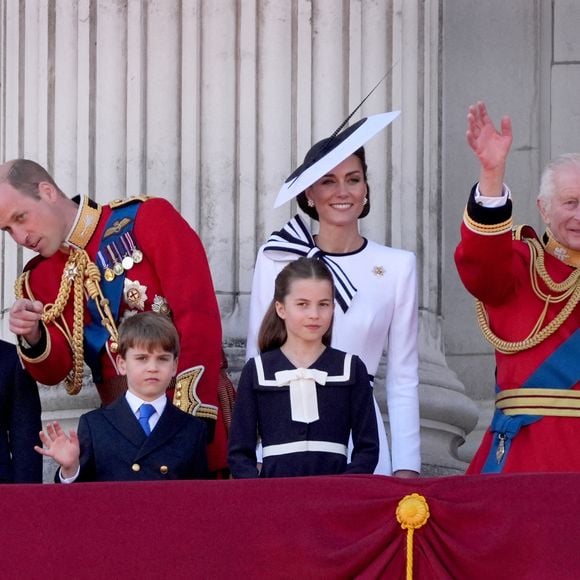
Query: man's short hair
[[149, 330], [25, 175]]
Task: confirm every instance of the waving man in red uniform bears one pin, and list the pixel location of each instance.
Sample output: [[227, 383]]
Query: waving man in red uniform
[[527, 290]]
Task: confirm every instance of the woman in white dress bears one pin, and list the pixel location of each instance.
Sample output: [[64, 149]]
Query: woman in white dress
[[376, 285]]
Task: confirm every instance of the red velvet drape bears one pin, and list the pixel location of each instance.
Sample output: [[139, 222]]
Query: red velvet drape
[[506, 526]]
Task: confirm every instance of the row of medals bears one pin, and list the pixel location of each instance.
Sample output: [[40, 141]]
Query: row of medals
[[121, 262]]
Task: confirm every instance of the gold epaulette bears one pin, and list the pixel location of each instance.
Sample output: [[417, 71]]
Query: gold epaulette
[[121, 202], [523, 232]]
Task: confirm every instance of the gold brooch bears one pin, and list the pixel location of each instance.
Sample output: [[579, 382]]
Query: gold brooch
[[378, 271]]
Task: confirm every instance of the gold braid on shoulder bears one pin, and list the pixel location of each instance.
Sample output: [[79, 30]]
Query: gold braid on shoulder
[[568, 289], [79, 273]]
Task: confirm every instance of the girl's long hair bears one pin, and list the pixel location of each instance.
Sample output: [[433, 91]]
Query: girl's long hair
[[273, 333]]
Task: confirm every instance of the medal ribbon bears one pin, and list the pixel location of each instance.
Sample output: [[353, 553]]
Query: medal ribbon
[[96, 335]]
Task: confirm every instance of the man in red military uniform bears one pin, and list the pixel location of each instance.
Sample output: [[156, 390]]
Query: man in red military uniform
[[527, 290], [98, 264]]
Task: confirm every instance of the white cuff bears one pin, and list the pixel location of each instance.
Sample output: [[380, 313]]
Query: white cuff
[[68, 479], [492, 201]]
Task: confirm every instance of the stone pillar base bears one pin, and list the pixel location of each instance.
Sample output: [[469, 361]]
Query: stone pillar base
[[447, 414]]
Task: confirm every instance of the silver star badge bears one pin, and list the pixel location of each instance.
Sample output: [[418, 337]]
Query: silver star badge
[[135, 294], [71, 272], [160, 305]]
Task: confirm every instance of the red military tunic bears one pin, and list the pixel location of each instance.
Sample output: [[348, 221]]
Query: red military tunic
[[494, 266], [174, 274]]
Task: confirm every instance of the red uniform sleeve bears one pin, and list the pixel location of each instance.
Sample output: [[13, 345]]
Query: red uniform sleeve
[[486, 260], [51, 360], [485, 265]]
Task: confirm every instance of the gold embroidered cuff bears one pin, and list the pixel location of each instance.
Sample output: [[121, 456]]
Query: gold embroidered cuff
[[484, 229], [41, 357], [206, 412]]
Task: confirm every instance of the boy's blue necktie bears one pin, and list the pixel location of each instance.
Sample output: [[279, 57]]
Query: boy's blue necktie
[[145, 411]]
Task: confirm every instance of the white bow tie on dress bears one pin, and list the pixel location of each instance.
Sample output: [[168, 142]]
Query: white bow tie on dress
[[303, 400]]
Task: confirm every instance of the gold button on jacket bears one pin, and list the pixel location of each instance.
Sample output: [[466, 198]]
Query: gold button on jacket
[[136, 467]]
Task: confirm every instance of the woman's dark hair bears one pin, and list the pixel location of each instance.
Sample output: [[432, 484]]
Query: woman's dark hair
[[273, 333], [303, 201]]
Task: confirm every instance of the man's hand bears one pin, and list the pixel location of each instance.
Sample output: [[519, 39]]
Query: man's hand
[[63, 448], [24, 319], [490, 146]]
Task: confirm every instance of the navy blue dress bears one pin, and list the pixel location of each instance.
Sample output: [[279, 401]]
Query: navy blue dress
[[263, 410]]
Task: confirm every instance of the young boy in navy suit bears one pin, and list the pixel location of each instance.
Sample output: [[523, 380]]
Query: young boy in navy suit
[[142, 435]]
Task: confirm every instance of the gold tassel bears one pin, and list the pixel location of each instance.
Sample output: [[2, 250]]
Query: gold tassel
[[412, 513]]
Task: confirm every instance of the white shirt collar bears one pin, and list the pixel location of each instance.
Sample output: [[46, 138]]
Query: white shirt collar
[[135, 402]]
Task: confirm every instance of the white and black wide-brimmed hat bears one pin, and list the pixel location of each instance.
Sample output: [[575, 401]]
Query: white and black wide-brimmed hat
[[328, 153]]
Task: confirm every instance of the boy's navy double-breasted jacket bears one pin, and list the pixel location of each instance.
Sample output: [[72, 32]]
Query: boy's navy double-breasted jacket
[[114, 447]]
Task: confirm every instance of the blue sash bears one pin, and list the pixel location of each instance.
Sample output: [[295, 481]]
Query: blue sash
[[96, 335], [561, 370]]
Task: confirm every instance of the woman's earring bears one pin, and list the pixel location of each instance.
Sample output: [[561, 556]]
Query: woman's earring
[[310, 203], [365, 200]]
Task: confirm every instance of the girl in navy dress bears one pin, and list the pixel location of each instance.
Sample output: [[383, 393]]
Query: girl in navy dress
[[301, 397]]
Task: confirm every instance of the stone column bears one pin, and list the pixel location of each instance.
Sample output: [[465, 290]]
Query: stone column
[[447, 414]]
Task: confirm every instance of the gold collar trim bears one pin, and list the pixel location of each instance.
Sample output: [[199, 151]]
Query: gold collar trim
[[85, 223], [564, 254]]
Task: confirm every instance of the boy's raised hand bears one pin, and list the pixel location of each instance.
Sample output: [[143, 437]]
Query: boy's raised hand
[[63, 448]]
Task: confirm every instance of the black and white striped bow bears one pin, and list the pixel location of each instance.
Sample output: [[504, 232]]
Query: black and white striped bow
[[294, 238]]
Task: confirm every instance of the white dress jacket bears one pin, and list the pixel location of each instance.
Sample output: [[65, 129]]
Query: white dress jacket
[[383, 316]]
